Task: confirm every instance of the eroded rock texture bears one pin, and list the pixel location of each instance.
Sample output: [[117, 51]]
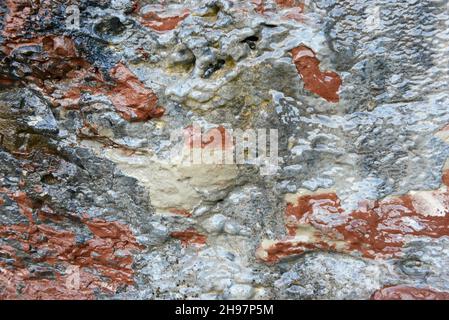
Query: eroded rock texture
[[91, 207]]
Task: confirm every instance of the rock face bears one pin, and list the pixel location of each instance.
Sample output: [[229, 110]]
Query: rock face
[[98, 105]]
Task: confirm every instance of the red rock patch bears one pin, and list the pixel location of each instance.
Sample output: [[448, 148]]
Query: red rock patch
[[131, 99], [408, 293], [377, 229], [216, 138], [189, 237], [103, 263], [325, 84], [161, 22], [61, 63]]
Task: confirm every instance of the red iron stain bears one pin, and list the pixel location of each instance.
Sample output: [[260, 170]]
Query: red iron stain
[[181, 212], [136, 6], [57, 60], [45, 213], [196, 138], [295, 15], [161, 23], [325, 84], [189, 237], [408, 293], [70, 76], [287, 248], [377, 229], [296, 8], [24, 203], [130, 97], [22, 285], [445, 178], [103, 262], [38, 189], [18, 13], [306, 206], [290, 4], [259, 6], [9, 46]]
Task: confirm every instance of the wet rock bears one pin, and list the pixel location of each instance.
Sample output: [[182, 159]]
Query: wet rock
[[326, 276], [96, 121], [214, 224], [30, 109], [110, 26], [408, 293]]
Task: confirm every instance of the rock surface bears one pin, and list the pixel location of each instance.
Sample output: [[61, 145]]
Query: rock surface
[[92, 205]]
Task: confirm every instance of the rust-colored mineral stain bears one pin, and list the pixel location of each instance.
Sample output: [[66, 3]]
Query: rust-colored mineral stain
[[289, 247], [296, 6], [259, 6], [290, 4], [56, 60], [181, 212], [130, 97], [24, 286], [189, 237], [114, 231], [24, 203], [216, 138], [162, 23], [377, 229], [298, 213], [9, 46], [132, 100], [18, 12], [402, 292], [325, 84], [103, 261], [69, 75], [445, 178], [60, 46]]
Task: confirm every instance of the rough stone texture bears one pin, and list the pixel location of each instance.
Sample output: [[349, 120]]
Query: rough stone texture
[[358, 90]]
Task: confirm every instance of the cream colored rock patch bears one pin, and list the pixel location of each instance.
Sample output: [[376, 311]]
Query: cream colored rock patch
[[172, 185], [429, 203]]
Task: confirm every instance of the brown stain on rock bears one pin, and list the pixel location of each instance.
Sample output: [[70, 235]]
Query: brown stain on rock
[[189, 237], [297, 213], [325, 84], [288, 248], [445, 178], [293, 9], [21, 12], [377, 229], [402, 292], [290, 4], [259, 6], [24, 203], [17, 13], [50, 58], [215, 138], [24, 286], [102, 263], [181, 212], [63, 75], [130, 97], [160, 22]]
